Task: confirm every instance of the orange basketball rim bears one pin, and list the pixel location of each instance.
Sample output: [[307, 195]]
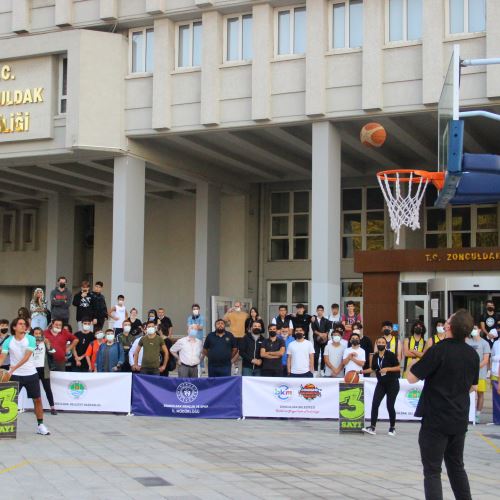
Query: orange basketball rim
[[414, 176]]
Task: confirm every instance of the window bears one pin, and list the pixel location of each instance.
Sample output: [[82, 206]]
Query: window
[[405, 20], [291, 31], [239, 38], [28, 229], [189, 45], [8, 230], [290, 225], [352, 290], [363, 219], [460, 226], [347, 24], [63, 84], [467, 16], [289, 293], [141, 50]]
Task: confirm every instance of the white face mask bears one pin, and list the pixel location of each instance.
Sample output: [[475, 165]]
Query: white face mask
[[86, 328], [196, 312], [336, 338], [56, 330], [151, 330], [127, 329], [110, 337], [99, 336], [440, 329], [151, 318], [192, 333], [474, 333], [237, 309], [120, 303]]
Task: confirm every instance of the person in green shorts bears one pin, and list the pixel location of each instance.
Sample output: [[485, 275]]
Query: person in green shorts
[[153, 346]]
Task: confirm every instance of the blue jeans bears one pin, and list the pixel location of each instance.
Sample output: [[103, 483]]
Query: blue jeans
[[219, 370], [250, 372]]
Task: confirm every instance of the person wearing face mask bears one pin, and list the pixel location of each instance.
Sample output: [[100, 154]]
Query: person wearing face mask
[[83, 303], [386, 366], [235, 319], [221, 350], [285, 335], [300, 361], [320, 327], [4, 335], [126, 340], [482, 347], [93, 349], [60, 301], [153, 316], [249, 349], [152, 346], [58, 336], [41, 360], [437, 337], [99, 308], [85, 337], [188, 352], [393, 343], [196, 321], [354, 356], [364, 342], [490, 322], [334, 355], [271, 353], [414, 345], [118, 314], [110, 356]]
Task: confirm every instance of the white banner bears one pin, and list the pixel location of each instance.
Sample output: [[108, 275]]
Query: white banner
[[319, 398], [94, 392]]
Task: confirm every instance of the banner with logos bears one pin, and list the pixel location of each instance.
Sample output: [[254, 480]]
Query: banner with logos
[[290, 397], [9, 392], [351, 407], [186, 397], [96, 392]]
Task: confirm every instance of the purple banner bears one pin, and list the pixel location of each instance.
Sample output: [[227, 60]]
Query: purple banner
[[496, 402], [157, 396]]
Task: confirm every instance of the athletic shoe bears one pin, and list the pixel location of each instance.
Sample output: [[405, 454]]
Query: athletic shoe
[[41, 429], [53, 411], [392, 431], [369, 430], [478, 419]]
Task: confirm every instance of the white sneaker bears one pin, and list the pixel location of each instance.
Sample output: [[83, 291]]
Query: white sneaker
[[41, 429], [392, 431], [369, 430]]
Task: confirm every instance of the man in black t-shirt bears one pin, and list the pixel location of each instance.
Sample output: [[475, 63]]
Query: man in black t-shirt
[[489, 323], [301, 320], [450, 370], [221, 349], [271, 354], [85, 337]]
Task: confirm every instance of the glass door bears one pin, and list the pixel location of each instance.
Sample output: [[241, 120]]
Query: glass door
[[289, 293], [414, 309]]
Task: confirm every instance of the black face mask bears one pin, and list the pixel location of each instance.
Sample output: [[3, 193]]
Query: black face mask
[[256, 331], [62, 285], [491, 309], [417, 331], [4, 330], [299, 335], [381, 347], [273, 334], [355, 342], [386, 331]]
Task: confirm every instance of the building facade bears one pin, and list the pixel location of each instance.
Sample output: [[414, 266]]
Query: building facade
[[184, 149]]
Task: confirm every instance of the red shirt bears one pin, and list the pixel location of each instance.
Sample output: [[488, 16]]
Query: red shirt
[[58, 342]]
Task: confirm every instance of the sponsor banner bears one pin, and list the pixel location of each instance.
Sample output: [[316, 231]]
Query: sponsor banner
[[96, 392], [351, 407], [214, 397], [290, 397], [9, 392]]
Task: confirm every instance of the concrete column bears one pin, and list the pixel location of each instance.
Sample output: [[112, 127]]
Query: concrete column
[[492, 48], [207, 232], [325, 219], [155, 6], [108, 10], [317, 39], [64, 13], [261, 66], [164, 61], [373, 58], [21, 15], [210, 61], [60, 240], [127, 263], [432, 51]]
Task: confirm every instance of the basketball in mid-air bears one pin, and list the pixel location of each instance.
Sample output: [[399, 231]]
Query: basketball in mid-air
[[4, 375], [373, 135], [351, 377]]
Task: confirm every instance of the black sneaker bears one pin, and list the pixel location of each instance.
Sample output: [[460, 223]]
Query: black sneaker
[[392, 431], [369, 430]]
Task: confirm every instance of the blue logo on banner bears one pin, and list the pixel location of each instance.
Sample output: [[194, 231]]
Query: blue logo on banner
[[186, 392], [283, 392]]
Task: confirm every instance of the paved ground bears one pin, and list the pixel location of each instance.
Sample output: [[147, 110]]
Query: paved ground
[[111, 456]]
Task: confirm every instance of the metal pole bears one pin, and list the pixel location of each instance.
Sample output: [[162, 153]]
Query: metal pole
[[484, 114], [480, 62]]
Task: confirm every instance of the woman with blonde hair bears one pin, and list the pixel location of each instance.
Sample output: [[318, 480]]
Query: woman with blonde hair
[[38, 309]]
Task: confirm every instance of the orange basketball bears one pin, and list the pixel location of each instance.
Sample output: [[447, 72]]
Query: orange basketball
[[4, 375], [373, 135], [351, 377]]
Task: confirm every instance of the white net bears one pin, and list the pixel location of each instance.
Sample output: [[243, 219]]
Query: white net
[[403, 207]]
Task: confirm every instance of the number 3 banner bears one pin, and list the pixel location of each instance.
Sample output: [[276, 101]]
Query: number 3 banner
[[8, 409]]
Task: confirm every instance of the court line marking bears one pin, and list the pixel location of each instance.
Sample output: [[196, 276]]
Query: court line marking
[[17, 466], [488, 441]]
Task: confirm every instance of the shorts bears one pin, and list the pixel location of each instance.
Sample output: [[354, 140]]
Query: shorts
[[481, 385], [30, 382]]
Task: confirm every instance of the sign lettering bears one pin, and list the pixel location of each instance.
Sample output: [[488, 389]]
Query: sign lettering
[[351, 407], [9, 392]]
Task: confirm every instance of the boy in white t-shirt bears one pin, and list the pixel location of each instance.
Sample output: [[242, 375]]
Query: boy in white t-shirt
[[300, 359], [20, 346], [334, 356], [354, 356]]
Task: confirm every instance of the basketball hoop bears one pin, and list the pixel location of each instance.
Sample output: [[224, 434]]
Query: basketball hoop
[[404, 208]]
